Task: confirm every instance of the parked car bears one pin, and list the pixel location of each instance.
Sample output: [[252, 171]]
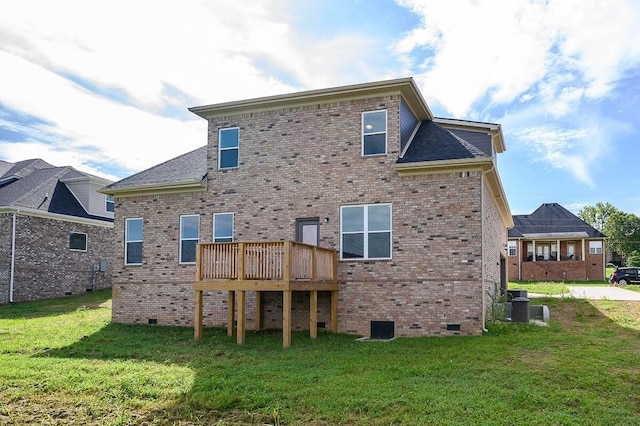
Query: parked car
[[624, 276]]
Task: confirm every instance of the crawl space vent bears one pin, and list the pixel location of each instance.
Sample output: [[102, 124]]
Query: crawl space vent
[[382, 329]]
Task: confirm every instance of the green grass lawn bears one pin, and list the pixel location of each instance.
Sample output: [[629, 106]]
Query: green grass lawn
[[63, 362]]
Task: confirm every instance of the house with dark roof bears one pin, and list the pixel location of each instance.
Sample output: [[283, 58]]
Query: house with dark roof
[[55, 231], [351, 208], [553, 244]]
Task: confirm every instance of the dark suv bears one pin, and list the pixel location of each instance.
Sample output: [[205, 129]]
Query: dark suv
[[624, 276]]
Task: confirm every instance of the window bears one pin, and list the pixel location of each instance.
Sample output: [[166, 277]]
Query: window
[[512, 248], [228, 143], [133, 242], [595, 247], [374, 132], [110, 205], [78, 241], [365, 232], [223, 227], [189, 235]]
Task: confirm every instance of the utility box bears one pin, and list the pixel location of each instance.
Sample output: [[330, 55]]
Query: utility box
[[520, 309]]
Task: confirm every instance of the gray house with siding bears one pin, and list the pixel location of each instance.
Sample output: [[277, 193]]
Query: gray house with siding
[[410, 205]]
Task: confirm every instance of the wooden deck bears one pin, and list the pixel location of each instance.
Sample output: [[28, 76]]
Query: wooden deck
[[284, 266]]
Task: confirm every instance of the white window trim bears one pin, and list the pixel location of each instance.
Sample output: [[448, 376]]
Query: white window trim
[[366, 233], [233, 226], [595, 247], [86, 241], [187, 239], [386, 133], [108, 199], [126, 242], [512, 245], [220, 149]]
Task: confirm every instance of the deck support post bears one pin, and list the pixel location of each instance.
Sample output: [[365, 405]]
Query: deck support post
[[313, 314], [231, 318], [334, 311], [258, 310], [241, 316], [286, 318], [198, 320]]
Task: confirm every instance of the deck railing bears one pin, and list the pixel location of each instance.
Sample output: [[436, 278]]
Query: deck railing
[[276, 260]]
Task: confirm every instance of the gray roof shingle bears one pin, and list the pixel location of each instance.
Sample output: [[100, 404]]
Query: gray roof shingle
[[551, 218]]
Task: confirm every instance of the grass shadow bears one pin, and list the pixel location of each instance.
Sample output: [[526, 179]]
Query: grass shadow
[[58, 306]]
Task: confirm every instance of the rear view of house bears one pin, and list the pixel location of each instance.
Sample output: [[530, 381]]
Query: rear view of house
[[55, 231], [411, 205], [553, 244]]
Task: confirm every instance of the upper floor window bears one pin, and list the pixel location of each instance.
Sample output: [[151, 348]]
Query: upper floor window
[[365, 231], [189, 235], [228, 144], [223, 227], [78, 241], [374, 132], [133, 242], [512, 248], [109, 202], [595, 247]]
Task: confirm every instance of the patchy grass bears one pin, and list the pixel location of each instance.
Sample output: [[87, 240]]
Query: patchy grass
[[63, 362]]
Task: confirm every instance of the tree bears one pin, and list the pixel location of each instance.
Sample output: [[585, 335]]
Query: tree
[[634, 258], [623, 232], [597, 215]]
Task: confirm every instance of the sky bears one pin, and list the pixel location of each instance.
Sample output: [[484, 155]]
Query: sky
[[105, 86]]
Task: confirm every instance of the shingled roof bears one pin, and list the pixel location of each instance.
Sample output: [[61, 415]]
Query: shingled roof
[[189, 167], [551, 220], [432, 142]]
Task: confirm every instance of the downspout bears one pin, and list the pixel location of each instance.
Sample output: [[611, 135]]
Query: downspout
[[13, 256], [482, 295]]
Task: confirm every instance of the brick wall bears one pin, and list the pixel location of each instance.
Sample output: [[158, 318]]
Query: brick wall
[[45, 267], [306, 162]]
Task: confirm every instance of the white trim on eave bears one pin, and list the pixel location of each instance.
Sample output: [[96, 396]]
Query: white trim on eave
[[55, 216], [157, 188]]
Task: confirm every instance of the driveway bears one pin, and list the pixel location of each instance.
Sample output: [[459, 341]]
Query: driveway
[[608, 293]]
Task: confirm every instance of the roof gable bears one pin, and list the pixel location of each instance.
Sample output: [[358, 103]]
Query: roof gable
[[551, 219]]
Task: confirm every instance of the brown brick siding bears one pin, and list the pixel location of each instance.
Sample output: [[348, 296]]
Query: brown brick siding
[[45, 267], [306, 162]]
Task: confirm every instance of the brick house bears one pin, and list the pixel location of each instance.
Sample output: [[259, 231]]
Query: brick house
[[55, 231], [553, 244], [412, 204]]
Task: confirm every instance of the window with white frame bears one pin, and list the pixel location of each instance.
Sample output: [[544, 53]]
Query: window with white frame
[[133, 241], [189, 235], [228, 147], [78, 241], [365, 231], [223, 227], [374, 132], [512, 248], [109, 203], [595, 247]]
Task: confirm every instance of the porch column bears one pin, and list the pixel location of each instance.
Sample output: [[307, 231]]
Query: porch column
[[535, 254], [286, 318], [313, 314], [231, 318], [198, 325], [241, 316], [558, 250], [584, 257]]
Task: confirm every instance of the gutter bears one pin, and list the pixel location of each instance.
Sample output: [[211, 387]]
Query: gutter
[[13, 255]]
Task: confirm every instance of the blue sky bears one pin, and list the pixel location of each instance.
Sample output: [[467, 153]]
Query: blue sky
[[105, 87]]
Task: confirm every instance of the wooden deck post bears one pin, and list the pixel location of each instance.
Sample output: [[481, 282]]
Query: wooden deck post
[[231, 318], [286, 318], [334, 311], [241, 316], [198, 319], [258, 310], [313, 314]]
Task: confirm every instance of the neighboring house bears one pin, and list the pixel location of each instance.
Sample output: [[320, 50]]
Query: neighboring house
[[412, 204], [553, 244], [55, 231]]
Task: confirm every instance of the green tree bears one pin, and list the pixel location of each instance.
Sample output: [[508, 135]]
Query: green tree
[[597, 215], [623, 232], [634, 258]]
